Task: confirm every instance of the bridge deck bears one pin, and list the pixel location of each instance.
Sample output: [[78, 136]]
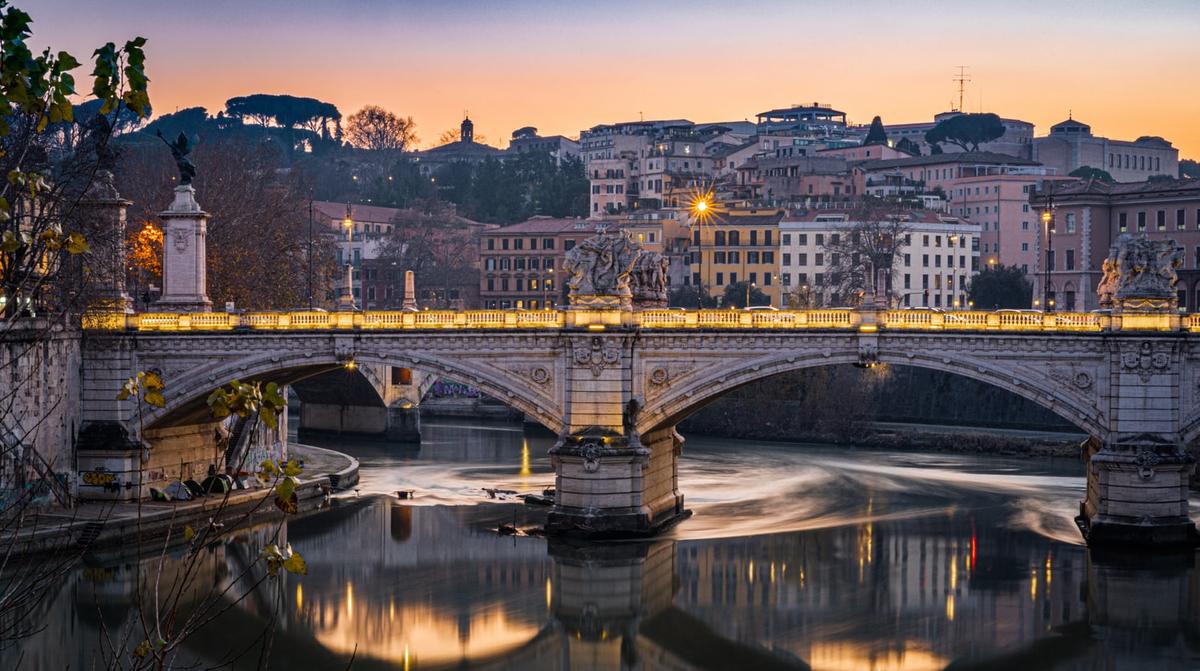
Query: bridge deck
[[842, 319]]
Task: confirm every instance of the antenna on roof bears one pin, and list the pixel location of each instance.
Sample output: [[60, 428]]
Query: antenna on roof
[[962, 80]]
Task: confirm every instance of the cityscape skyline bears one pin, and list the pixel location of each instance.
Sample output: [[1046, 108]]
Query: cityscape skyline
[[514, 64]]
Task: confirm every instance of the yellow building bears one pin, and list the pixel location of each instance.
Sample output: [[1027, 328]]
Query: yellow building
[[732, 245]]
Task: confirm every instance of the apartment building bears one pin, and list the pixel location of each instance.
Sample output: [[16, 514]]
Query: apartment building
[[1000, 205], [934, 266], [612, 155], [1089, 215], [736, 245], [1071, 145], [526, 140]]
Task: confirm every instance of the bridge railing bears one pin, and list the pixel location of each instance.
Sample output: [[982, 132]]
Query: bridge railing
[[829, 318]]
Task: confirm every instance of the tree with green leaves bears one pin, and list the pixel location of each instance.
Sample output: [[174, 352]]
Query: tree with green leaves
[[290, 113], [1001, 287], [966, 131], [47, 268], [743, 294], [1189, 168], [1088, 172], [876, 135], [690, 297], [909, 147]]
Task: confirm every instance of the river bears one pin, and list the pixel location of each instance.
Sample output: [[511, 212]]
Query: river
[[797, 557]]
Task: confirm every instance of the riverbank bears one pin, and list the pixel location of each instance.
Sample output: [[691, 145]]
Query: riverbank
[[900, 436], [99, 525]]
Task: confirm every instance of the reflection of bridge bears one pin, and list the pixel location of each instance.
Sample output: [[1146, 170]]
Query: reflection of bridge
[[614, 383]]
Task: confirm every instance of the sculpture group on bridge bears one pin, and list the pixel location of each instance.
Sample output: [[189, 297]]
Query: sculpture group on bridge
[[611, 270], [1140, 273]]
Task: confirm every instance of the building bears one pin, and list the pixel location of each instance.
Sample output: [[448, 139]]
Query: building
[[612, 155], [1016, 141], [1071, 145], [1089, 215], [463, 150], [800, 181], [521, 266], [939, 256], [526, 140], [999, 204], [803, 130], [736, 245], [379, 280]]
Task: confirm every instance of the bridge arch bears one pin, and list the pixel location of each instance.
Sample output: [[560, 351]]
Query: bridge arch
[[668, 407], [187, 391]]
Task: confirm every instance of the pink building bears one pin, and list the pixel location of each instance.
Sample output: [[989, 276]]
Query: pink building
[[1008, 223], [1088, 216]]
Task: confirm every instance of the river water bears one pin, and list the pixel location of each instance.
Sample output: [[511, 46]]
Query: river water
[[797, 557]]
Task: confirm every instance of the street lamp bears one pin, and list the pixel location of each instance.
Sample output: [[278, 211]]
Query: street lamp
[[749, 286], [701, 212], [346, 302], [1048, 228]]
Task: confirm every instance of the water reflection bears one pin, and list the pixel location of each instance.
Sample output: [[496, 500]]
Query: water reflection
[[897, 562]]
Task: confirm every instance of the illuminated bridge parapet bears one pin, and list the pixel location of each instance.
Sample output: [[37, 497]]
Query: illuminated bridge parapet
[[596, 320]]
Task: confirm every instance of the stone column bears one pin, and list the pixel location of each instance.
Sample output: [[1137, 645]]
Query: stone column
[[185, 275], [1138, 477], [610, 481], [102, 213]]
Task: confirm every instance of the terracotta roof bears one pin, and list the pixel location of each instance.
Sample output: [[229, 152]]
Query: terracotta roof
[[974, 157], [915, 216], [1094, 186]]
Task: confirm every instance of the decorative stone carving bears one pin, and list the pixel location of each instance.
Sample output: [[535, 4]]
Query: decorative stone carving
[[600, 356], [539, 375], [1146, 460], [600, 268], [649, 280], [660, 376], [1145, 361], [1139, 274], [1080, 379]]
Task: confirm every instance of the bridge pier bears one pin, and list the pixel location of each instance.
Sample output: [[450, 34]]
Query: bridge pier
[[610, 485], [1137, 494]]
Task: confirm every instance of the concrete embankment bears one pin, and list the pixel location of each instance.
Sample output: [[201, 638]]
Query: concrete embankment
[[100, 525]]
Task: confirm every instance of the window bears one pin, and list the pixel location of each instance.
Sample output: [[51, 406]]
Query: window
[[1122, 222], [1070, 222], [802, 259], [735, 238], [1141, 222], [820, 238], [547, 243], [548, 263], [820, 259], [924, 260], [733, 278], [519, 243], [491, 284], [489, 263], [767, 237], [819, 279], [719, 238], [768, 257], [787, 259], [504, 243], [1160, 222], [735, 257], [518, 264], [719, 257], [907, 281], [1070, 259], [925, 240], [787, 238], [1050, 259], [754, 237], [491, 243], [751, 257], [720, 279], [908, 259], [937, 260]]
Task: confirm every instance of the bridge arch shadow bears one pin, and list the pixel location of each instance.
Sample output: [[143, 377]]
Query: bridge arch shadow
[[187, 393], [667, 407]]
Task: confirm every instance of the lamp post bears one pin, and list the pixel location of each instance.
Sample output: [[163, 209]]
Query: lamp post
[[346, 301], [1048, 228], [749, 286], [701, 210]]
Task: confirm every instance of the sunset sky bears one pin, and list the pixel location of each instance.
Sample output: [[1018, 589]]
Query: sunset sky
[[1127, 67]]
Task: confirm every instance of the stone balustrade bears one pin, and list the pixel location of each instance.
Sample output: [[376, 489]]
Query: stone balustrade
[[911, 319]]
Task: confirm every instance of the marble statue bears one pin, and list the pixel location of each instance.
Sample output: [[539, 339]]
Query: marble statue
[[649, 280], [1140, 272], [600, 268]]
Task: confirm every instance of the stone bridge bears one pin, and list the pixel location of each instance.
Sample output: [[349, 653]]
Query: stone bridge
[[613, 384]]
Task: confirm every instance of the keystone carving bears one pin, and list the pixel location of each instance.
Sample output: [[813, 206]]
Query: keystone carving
[[1145, 361], [180, 237], [600, 356]]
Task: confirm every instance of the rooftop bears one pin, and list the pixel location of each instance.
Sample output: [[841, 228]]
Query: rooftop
[[1187, 187], [971, 157], [543, 224]]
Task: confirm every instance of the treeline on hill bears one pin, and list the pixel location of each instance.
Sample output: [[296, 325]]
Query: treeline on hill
[[367, 158]]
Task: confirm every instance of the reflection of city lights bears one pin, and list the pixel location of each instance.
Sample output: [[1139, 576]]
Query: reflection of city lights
[[772, 572], [1047, 572], [392, 618], [750, 571], [349, 599], [548, 593], [1033, 585], [299, 598], [525, 467], [953, 572], [950, 607], [406, 662]]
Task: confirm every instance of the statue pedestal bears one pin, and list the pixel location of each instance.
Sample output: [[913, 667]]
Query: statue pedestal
[[102, 211], [185, 268], [599, 302]]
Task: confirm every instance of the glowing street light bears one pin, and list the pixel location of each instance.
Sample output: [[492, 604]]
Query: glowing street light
[[346, 301]]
